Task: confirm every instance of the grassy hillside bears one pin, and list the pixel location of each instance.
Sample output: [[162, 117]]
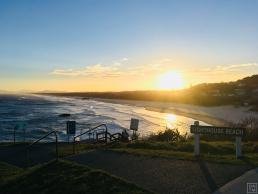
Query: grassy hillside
[[65, 177]]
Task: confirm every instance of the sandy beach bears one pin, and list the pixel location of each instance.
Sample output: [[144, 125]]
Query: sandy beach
[[219, 115]]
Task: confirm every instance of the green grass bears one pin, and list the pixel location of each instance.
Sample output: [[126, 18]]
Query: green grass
[[249, 159], [66, 150], [12, 144], [7, 171], [213, 147], [215, 151], [66, 177], [218, 151]]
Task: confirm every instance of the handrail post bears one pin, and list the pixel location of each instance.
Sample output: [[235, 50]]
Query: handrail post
[[106, 137], [73, 145], [27, 157], [56, 146], [28, 147], [24, 135], [106, 134], [14, 135]]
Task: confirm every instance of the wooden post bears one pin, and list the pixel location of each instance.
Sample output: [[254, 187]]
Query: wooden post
[[196, 141], [238, 147]]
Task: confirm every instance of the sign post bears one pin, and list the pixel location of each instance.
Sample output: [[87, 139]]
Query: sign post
[[19, 126], [196, 129], [238, 147], [70, 129], [134, 126], [196, 141]]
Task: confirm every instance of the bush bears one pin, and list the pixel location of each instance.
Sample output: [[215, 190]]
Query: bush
[[169, 135], [251, 133], [251, 125]]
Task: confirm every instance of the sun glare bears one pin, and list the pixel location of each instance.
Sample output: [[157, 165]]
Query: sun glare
[[170, 120], [170, 81]]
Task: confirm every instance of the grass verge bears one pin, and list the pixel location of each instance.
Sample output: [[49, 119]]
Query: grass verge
[[7, 171], [66, 177], [220, 152]]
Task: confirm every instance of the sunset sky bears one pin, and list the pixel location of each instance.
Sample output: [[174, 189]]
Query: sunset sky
[[108, 45]]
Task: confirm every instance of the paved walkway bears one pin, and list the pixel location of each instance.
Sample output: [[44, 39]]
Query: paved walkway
[[17, 154], [156, 174], [162, 175], [239, 185]]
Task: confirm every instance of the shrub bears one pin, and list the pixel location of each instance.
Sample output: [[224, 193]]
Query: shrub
[[251, 125], [169, 135]]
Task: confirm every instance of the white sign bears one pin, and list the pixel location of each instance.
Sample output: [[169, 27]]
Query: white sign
[[211, 130], [196, 129], [134, 124], [71, 127]]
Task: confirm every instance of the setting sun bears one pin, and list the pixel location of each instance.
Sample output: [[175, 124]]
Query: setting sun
[[170, 80]]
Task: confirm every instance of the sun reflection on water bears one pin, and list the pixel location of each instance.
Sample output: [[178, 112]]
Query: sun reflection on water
[[170, 120]]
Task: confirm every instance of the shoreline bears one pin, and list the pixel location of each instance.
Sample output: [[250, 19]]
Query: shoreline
[[216, 116], [205, 118], [197, 117]]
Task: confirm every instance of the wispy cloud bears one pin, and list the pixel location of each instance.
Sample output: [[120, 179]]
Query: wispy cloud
[[97, 70], [227, 68], [123, 68], [116, 69], [236, 66], [221, 72]]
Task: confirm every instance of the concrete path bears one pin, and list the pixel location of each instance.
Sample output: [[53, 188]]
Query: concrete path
[[162, 175], [17, 154], [245, 184], [159, 175]]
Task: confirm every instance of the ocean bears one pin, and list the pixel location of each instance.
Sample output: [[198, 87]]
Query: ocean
[[34, 116]]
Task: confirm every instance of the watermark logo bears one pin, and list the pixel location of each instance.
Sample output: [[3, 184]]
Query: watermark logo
[[252, 188]]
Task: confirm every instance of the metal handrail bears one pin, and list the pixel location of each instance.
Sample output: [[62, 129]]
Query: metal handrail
[[105, 138], [86, 133], [29, 146], [114, 134]]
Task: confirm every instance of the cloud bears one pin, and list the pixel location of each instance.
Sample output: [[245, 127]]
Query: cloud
[[122, 68], [97, 70], [118, 68], [236, 66], [227, 68], [125, 59], [220, 73]]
